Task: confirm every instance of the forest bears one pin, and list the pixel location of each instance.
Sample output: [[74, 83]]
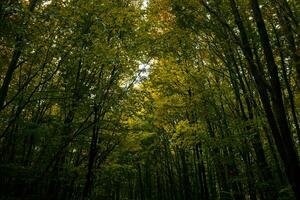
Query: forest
[[149, 99]]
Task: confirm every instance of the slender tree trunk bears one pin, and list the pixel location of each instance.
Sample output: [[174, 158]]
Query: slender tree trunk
[[289, 154], [10, 71], [14, 61], [141, 184], [92, 155], [289, 25], [287, 84], [201, 173], [185, 176], [284, 143]]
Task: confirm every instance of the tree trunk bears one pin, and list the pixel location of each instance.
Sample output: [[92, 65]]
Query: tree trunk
[[92, 155], [288, 153]]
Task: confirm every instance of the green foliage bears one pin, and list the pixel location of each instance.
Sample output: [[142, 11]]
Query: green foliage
[[81, 120]]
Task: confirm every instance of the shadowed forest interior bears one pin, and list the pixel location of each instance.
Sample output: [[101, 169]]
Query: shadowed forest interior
[[149, 99]]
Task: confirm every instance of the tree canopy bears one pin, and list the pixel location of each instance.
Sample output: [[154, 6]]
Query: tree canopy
[[150, 99]]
